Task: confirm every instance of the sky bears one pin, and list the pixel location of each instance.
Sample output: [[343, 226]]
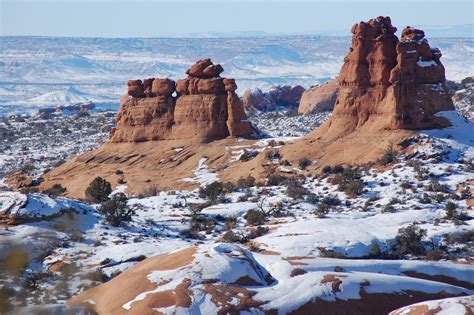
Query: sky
[[165, 18]]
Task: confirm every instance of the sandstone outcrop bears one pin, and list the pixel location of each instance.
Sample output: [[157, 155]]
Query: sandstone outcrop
[[205, 107], [389, 84], [318, 98], [387, 87], [279, 96]]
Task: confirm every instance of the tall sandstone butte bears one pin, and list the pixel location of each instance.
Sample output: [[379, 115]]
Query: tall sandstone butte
[[205, 107], [387, 84], [387, 88]]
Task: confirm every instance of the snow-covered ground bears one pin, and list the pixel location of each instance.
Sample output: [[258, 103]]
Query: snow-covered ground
[[415, 189]]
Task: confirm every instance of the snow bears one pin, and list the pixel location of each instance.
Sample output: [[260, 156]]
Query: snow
[[202, 175], [426, 64]]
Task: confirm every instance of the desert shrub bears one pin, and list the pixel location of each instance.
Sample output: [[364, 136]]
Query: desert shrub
[[312, 198], [272, 154], [118, 172], [331, 200], [337, 169], [229, 187], [255, 217], [389, 156], [212, 191], [246, 182], [304, 162], [329, 253], [435, 254], [434, 185], [257, 232], [327, 169], [405, 185], [425, 198], [150, 191], [231, 237], [451, 213], [461, 237], [350, 182], [99, 190], [375, 251], [55, 190], [230, 223], [388, 208], [248, 155], [322, 209], [276, 180], [295, 190], [116, 210], [408, 240], [28, 168]]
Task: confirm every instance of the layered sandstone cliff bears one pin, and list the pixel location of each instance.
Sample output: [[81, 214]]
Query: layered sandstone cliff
[[201, 106]]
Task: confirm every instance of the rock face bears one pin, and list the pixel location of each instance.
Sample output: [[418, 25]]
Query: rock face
[[387, 88], [205, 106], [389, 84], [280, 96], [319, 98]]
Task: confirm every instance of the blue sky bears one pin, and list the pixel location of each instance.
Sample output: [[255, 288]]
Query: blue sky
[[159, 18]]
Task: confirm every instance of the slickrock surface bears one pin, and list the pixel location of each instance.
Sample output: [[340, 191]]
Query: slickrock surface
[[205, 107]]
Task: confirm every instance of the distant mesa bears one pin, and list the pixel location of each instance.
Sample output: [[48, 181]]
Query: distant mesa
[[201, 106]]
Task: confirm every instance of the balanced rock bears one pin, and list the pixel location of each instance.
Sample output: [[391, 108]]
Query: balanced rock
[[205, 107], [319, 98], [163, 87]]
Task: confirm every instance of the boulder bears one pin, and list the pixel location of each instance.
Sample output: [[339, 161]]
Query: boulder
[[205, 69], [135, 88], [147, 87], [319, 98], [163, 87]]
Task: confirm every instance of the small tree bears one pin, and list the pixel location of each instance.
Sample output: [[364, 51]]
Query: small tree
[[303, 163], [212, 191], [255, 217], [55, 190], [99, 190], [451, 213], [408, 240], [350, 182], [116, 210], [389, 156]]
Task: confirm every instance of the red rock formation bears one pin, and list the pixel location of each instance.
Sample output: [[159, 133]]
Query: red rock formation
[[253, 99], [387, 84], [319, 98], [206, 106], [135, 88], [279, 96]]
